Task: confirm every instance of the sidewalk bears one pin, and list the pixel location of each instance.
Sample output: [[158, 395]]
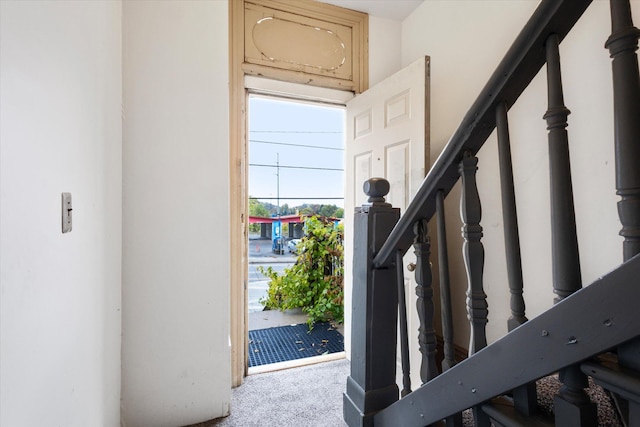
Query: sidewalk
[[274, 318], [260, 253]]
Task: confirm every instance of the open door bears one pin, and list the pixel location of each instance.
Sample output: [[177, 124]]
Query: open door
[[387, 136]]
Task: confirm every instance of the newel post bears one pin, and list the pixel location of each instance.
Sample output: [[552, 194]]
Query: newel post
[[371, 386]]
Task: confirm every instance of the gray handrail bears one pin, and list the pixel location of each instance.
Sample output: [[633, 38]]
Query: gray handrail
[[522, 62]]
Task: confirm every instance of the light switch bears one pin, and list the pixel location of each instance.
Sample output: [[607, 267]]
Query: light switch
[[66, 212]]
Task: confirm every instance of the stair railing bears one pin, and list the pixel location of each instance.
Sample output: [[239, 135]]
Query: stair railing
[[383, 237]]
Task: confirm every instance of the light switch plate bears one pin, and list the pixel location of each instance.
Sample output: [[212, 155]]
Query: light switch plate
[[66, 212]]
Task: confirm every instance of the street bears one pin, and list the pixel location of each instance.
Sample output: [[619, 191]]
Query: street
[[260, 255], [258, 284]]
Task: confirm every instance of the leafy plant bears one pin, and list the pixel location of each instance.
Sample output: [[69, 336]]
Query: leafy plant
[[315, 282]]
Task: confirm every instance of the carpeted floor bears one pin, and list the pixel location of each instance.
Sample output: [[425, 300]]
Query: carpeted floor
[[311, 396]]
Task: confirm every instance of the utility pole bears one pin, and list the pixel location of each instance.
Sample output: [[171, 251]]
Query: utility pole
[[279, 237]]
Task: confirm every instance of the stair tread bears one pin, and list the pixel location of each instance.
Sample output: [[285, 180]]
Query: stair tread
[[612, 376]]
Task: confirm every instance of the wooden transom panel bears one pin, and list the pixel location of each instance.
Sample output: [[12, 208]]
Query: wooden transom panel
[[280, 40]]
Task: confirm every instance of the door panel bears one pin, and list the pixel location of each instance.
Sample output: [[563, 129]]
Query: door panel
[[387, 136], [362, 172], [397, 165], [398, 108]]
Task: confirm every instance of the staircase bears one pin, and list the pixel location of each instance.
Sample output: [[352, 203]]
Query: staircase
[[590, 334]]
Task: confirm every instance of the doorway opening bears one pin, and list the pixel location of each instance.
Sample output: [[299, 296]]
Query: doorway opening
[[296, 171]]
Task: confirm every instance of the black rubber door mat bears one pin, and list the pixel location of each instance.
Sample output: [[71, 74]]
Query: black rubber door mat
[[273, 345]]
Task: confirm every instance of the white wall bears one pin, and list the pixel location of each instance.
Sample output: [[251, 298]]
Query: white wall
[[60, 110], [465, 40], [384, 54], [176, 357]]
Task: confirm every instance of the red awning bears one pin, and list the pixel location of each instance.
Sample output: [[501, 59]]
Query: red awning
[[270, 220]]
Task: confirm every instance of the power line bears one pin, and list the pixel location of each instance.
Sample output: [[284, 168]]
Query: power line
[[296, 198], [296, 167], [295, 145], [294, 131]]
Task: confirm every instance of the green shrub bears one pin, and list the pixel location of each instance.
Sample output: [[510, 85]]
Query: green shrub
[[315, 282]]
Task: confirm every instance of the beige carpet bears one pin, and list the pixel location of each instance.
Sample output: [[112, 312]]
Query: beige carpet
[[311, 396]]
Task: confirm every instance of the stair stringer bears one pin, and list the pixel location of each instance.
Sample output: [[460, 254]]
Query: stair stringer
[[596, 318]]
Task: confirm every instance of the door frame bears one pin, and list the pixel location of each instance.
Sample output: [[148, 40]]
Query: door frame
[[282, 84]]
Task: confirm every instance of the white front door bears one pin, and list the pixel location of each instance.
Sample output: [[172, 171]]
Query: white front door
[[387, 136]]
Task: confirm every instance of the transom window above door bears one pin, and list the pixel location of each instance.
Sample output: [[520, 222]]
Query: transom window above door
[[306, 42]]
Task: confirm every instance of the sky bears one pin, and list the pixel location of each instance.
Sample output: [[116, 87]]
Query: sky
[[307, 141]]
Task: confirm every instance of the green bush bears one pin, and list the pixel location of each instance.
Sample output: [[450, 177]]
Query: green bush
[[315, 282]]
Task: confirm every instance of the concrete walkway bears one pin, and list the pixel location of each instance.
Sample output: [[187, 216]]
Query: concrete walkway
[[260, 253], [274, 318]]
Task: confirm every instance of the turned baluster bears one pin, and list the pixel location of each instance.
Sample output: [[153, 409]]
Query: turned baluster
[[446, 312], [524, 397], [510, 218], [445, 286], [404, 334], [424, 304], [473, 252], [564, 240], [572, 405], [622, 45]]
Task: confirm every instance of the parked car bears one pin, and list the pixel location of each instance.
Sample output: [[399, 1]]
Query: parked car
[[292, 245]]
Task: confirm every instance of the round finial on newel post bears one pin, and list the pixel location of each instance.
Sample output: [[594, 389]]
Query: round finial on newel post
[[376, 189]]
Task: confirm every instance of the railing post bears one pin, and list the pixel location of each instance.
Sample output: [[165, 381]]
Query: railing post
[[445, 287], [473, 251], [424, 303], [403, 328], [622, 45], [524, 397], [571, 405], [371, 385], [510, 219], [446, 312], [564, 240]]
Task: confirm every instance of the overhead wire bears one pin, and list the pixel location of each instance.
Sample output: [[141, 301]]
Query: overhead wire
[[296, 198], [294, 131], [295, 145], [296, 167]]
